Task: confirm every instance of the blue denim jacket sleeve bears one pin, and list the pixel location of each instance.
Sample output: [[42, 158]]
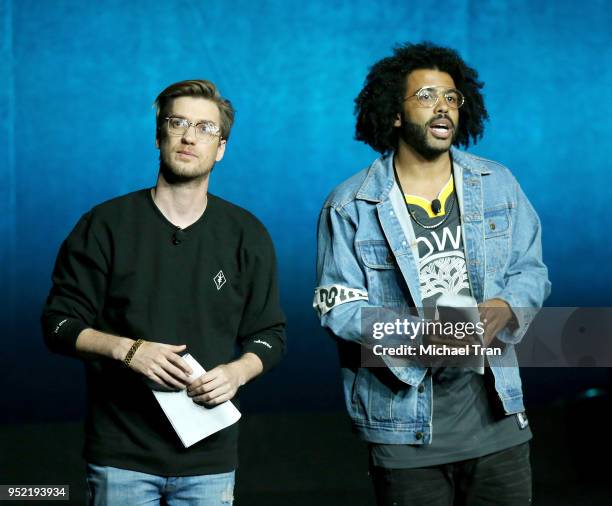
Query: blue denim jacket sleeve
[[337, 271], [526, 283], [341, 291]]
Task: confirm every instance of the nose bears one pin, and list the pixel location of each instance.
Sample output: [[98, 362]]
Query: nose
[[188, 137], [441, 106]]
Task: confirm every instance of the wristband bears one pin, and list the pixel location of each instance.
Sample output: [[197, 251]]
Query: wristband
[[130, 354]]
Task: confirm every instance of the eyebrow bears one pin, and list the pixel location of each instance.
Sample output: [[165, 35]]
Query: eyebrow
[[447, 88], [197, 121]]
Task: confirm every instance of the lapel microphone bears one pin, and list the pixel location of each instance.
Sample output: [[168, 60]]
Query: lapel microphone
[[436, 206], [178, 237]]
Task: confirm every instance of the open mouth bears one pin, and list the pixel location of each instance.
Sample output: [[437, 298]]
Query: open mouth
[[441, 128]]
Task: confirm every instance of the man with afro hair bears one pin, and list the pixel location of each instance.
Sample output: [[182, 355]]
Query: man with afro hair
[[424, 227]]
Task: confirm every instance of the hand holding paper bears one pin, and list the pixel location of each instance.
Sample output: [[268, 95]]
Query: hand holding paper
[[221, 383], [191, 421], [496, 314]]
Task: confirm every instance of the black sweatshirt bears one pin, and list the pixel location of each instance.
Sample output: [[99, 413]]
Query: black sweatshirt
[[120, 271]]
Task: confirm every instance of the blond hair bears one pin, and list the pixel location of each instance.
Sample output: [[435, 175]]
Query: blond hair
[[197, 88]]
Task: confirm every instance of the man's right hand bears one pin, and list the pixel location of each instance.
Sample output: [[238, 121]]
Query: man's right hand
[[161, 364]]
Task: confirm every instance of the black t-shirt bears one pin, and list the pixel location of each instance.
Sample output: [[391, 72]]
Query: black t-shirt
[[121, 272], [466, 421]]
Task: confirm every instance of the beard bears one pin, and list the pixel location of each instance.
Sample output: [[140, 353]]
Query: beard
[[174, 173], [415, 135]]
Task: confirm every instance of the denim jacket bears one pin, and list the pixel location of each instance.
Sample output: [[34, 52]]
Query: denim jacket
[[368, 257]]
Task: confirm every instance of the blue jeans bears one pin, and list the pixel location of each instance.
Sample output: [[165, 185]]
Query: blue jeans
[[111, 486]]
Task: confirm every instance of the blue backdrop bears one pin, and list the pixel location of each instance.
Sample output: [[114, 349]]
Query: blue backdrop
[[78, 80]]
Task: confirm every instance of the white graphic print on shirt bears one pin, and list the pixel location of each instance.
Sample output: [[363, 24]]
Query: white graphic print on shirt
[[442, 263]]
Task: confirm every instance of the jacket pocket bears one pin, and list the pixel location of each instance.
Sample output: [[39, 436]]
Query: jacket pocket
[[360, 393], [386, 286], [497, 228], [378, 396]]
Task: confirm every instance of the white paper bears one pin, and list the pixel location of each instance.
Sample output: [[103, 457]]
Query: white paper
[[460, 308], [191, 421]]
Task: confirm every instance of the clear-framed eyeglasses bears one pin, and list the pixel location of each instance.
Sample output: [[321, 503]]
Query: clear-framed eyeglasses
[[429, 96], [205, 131]]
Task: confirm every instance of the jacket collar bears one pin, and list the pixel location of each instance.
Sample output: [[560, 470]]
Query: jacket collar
[[381, 178]]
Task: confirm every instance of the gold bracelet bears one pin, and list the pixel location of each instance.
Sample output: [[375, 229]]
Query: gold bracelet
[[130, 354]]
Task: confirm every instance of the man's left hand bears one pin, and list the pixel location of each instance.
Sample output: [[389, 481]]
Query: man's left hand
[[217, 385], [221, 383], [495, 314]]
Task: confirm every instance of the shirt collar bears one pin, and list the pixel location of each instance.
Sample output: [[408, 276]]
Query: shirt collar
[[380, 177]]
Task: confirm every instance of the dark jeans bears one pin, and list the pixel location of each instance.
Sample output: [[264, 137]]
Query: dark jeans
[[498, 479]]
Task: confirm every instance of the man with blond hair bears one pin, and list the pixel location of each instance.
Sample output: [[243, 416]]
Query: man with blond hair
[[148, 276]]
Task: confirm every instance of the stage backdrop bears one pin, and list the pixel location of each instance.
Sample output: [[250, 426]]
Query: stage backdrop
[[77, 81]]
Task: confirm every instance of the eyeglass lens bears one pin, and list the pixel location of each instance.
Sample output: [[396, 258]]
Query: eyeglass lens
[[206, 131], [429, 97]]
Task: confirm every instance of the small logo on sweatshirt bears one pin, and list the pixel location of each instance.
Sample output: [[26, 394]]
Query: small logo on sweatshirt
[[259, 341], [219, 280], [59, 326]]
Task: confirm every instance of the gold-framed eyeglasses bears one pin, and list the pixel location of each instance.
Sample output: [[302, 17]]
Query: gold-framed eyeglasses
[[429, 96], [205, 131]]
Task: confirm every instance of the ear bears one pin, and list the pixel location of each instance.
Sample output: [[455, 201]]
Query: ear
[[398, 120], [220, 150], [157, 137]]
